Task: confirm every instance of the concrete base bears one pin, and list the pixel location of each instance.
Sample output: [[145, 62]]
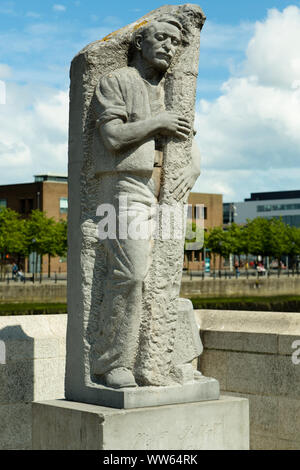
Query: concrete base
[[211, 425], [140, 397]]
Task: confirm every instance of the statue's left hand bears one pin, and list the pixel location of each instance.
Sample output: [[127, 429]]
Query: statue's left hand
[[188, 175], [185, 181]]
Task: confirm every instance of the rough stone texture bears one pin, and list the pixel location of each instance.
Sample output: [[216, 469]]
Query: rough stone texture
[[16, 426], [215, 425], [34, 370], [250, 353], [87, 268]]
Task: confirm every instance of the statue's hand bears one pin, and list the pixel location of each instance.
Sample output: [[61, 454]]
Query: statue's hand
[[185, 181], [172, 124]]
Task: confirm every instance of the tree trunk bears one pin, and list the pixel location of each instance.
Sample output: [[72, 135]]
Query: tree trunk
[[49, 266]]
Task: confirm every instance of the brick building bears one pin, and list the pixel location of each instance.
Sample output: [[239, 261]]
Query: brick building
[[212, 214], [48, 193]]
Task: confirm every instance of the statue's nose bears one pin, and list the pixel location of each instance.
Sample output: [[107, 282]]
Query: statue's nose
[[167, 44]]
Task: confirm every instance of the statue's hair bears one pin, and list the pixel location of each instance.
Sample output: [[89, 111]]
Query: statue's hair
[[162, 19], [175, 20]]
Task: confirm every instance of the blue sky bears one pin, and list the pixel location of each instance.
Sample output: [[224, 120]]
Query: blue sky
[[247, 99], [39, 39]]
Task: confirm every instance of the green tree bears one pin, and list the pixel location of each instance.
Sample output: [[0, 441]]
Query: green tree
[[12, 235], [294, 244], [258, 237], [236, 240], [279, 239], [60, 241], [219, 242], [46, 236], [12, 232]]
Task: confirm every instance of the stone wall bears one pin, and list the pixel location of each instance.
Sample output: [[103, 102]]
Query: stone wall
[[19, 292], [284, 285], [250, 353], [33, 369], [57, 293]]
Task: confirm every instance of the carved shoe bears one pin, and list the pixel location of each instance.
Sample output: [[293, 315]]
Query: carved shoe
[[120, 378], [197, 375]]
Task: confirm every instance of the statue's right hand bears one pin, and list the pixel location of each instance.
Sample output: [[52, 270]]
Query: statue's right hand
[[172, 124]]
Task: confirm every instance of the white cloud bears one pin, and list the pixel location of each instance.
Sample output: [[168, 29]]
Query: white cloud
[[273, 52], [93, 34], [7, 8], [33, 133], [58, 7], [41, 29], [5, 71], [33, 14], [112, 20], [224, 37], [250, 136]]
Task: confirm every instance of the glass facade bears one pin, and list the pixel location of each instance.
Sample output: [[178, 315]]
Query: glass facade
[[52, 178], [292, 220], [278, 207]]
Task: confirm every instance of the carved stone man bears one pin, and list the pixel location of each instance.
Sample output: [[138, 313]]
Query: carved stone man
[[133, 126]]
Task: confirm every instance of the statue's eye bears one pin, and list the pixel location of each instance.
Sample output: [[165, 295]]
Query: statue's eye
[[175, 42], [160, 37]]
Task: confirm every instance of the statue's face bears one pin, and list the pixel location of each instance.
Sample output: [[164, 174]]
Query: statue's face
[[160, 45]]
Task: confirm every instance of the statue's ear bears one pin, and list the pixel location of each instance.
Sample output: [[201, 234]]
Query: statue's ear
[[138, 41]]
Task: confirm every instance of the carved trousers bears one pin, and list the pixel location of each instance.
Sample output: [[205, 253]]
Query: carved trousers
[[128, 258]]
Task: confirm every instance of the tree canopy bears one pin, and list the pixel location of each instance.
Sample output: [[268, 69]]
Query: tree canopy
[[259, 237], [38, 233]]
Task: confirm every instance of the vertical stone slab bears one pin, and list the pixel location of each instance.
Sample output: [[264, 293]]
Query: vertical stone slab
[[86, 259]]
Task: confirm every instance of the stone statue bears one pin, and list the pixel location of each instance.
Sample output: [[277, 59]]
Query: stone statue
[[131, 150]]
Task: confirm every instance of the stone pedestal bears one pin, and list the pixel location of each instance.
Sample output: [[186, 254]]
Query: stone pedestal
[[212, 425], [204, 389]]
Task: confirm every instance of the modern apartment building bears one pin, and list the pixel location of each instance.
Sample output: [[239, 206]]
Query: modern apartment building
[[284, 204]]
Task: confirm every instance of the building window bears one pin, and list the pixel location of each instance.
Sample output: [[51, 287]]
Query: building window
[[3, 203], [63, 205], [278, 207], [23, 206], [199, 212], [292, 220], [26, 206], [29, 205]]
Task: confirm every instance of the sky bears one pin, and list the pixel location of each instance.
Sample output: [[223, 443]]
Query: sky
[[248, 89]]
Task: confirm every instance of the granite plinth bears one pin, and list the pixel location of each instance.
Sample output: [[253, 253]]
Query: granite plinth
[[211, 425]]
